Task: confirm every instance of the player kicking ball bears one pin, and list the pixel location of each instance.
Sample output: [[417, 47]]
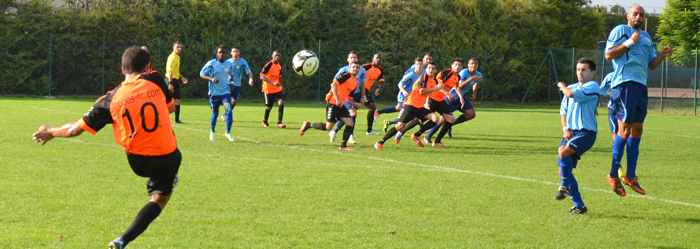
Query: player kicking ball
[[341, 90], [579, 124]]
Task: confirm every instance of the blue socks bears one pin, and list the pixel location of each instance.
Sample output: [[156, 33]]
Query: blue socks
[[617, 153], [214, 115], [389, 109], [568, 180], [461, 119], [229, 120], [341, 123], [632, 155]]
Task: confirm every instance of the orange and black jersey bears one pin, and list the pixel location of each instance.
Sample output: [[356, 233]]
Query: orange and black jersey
[[138, 112], [273, 72], [416, 98], [374, 74], [346, 85], [450, 79]]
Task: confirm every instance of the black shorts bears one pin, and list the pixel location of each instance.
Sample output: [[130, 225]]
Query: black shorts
[[409, 113], [161, 170], [272, 97], [334, 112], [177, 93], [369, 99], [439, 106]]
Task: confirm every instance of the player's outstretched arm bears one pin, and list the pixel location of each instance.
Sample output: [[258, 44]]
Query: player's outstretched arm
[[47, 133], [665, 52]]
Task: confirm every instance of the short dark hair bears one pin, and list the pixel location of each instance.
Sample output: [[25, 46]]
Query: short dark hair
[[428, 54], [591, 64], [418, 59], [221, 46], [473, 59], [135, 60], [276, 51], [177, 42], [432, 63], [352, 52], [458, 59], [236, 47], [355, 62]]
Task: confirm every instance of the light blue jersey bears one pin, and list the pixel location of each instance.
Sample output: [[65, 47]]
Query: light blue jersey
[[238, 66], [464, 76], [412, 69], [580, 110], [220, 71], [633, 64], [407, 83], [361, 76], [606, 85]]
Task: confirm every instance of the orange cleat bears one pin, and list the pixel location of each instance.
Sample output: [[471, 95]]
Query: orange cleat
[[634, 183], [303, 128], [617, 186], [417, 140]]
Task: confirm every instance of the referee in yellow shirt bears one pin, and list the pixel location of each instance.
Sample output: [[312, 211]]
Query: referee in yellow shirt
[[172, 70]]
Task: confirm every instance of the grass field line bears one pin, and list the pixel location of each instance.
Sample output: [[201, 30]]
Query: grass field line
[[54, 110], [672, 134], [446, 169]]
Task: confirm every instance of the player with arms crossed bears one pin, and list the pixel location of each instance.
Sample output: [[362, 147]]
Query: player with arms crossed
[[271, 77], [356, 96], [238, 66], [632, 53], [580, 127], [172, 70], [218, 71], [414, 109], [138, 110], [341, 91]]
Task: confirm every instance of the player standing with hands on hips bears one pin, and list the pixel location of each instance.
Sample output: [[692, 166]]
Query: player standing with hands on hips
[[632, 53], [580, 127], [139, 110]]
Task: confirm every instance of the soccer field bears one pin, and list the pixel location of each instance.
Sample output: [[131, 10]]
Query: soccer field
[[492, 186]]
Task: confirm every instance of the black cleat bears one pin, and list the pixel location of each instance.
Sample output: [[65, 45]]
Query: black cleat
[[563, 192], [579, 210]]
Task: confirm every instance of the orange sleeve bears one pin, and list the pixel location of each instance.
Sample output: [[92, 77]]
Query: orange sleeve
[[82, 124]]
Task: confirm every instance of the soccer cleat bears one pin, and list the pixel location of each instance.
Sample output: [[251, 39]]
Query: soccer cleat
[[223, 117], [352, 139], [303, 128], [427, 140], [117, 243], [436, 144], [386, 125], [376, 115], [179, 122], [373, 132], [449, 132], [417, 140], [578, 210], [230, 138], [634, 183], [378, 145], [617, 186], [265, 124], [562, 193], [212, 136], [281, 125], [332, 135], [346, 148], [398, 136]]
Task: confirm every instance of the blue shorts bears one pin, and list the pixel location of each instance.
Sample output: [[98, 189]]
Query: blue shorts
[[216, 101], [356, 97], [455, 105], [235, 92], [581, 141], [629, 102], [612, 120]]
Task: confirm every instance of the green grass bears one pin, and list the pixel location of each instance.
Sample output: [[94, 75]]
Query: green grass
[[492, 186]]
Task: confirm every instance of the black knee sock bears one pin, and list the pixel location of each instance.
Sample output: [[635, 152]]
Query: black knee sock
[[445, 127], [346, 135], [370, 120], [410, 125], [389, 133], [317, 126], [147, 214], [267, 113], [177, 113], [427, 126], [280, 114]]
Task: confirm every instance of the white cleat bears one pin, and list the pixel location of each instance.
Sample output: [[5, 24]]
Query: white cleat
[[352, 139], [230, 138], [332, 135], [212, 136], [373, 132], [223, 117]]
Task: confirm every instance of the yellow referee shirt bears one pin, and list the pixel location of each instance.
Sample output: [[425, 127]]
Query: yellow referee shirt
[[173, 65]]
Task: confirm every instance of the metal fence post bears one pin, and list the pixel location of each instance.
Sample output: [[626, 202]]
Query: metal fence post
[[549, 81], [695, 86], [318, 96], [159, 41], [104, 43], [50, 60], [486, 57], [573, 64], [662, 84]]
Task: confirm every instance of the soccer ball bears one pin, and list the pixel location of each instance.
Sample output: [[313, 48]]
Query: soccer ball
[[305, 63]]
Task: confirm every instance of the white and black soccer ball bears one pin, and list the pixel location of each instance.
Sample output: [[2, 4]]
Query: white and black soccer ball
[[305, 63]]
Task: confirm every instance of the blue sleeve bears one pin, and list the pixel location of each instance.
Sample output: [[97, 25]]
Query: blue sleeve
[[405, 81], [606, 84], [617, 37], [411, 69], [564, 107], [463, 75], [246, 67], [478, 74], [340, 72], [363, 75], [587, 92], [207, 69], [652, 53]]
